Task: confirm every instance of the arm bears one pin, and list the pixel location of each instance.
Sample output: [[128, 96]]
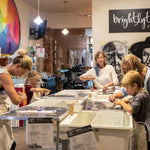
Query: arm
[[85, 77], [42, 90], [89, 75], [107, 85], [125, 105], [113, 77], [8, 85], [118, 95]]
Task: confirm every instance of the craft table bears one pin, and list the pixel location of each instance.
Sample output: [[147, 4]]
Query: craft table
[[27, 112]]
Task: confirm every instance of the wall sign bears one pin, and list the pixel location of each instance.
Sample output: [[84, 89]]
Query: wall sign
[[129, 20]]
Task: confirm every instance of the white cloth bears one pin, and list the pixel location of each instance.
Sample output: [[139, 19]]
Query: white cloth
[[138, 139], [36, 96], [106, 75]]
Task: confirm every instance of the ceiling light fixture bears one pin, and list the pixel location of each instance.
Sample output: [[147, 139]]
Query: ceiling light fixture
[[38, 19], [65, 30]]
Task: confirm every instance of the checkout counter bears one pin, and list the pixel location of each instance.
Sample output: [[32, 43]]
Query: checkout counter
[[110, 125]]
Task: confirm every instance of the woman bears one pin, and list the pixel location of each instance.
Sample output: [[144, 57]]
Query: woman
[[20, 64], [103, 75], [128, 63]]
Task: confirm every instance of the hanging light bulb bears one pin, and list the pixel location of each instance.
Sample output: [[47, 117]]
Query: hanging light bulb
[[65, 31], [38, 19]]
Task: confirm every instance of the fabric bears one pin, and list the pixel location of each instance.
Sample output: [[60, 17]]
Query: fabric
[[123, 91], [105, 75], [6, 134], [147, 83], [138, 140], [28, 93], [146, 79], [140, 105], [36, 96]]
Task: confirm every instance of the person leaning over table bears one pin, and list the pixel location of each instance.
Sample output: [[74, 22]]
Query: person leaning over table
[[32, 90], [103, 75], [138, 107], [20, 64], [128, 63]]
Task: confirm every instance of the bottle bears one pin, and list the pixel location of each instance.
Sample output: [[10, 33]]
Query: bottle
[[71, 109]]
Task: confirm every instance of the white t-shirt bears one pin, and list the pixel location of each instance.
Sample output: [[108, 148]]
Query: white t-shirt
[[106, 75]]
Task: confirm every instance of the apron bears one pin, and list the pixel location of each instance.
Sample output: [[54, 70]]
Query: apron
[[138, 140], [6, 134], [36, 96]]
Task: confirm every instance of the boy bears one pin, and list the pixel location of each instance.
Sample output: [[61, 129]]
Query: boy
[[138, 107]]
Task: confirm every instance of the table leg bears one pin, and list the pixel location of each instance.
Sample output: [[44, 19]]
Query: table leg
[[57, 137]]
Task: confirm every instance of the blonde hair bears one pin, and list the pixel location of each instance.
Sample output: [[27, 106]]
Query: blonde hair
[[134, 63], [103, 54], [132, 77], [20, 57], [31, 74]]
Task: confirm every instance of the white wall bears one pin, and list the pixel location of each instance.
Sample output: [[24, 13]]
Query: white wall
[[27, 14], [56, 21], [100, 22], [23, 11]]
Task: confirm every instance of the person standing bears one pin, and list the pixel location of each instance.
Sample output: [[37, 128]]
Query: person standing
[[20, 64], [138, 107], [103, 75]]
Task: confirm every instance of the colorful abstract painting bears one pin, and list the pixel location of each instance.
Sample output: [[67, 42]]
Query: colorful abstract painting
[[9, 27]]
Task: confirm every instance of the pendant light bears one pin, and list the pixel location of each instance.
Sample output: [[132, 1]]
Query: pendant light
[[65, 30], [38, 19]]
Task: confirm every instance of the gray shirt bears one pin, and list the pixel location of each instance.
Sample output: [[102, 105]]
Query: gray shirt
[[140, 104]]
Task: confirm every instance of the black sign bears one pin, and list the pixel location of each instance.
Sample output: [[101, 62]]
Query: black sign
[[78, 131], [129, 20]]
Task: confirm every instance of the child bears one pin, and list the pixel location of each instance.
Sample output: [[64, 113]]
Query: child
[[138, 107], [31, 88]]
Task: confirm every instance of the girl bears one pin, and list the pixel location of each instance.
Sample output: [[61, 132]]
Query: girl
[[138, 107], [31, 88]]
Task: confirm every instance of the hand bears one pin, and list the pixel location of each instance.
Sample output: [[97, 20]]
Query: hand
[[105, 88], [117, 102], [112, 97], [46, 91], [23, 95], [126, 101]]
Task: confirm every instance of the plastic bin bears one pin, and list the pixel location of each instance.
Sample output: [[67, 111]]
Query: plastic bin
[[80, 119], [113, 129]]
